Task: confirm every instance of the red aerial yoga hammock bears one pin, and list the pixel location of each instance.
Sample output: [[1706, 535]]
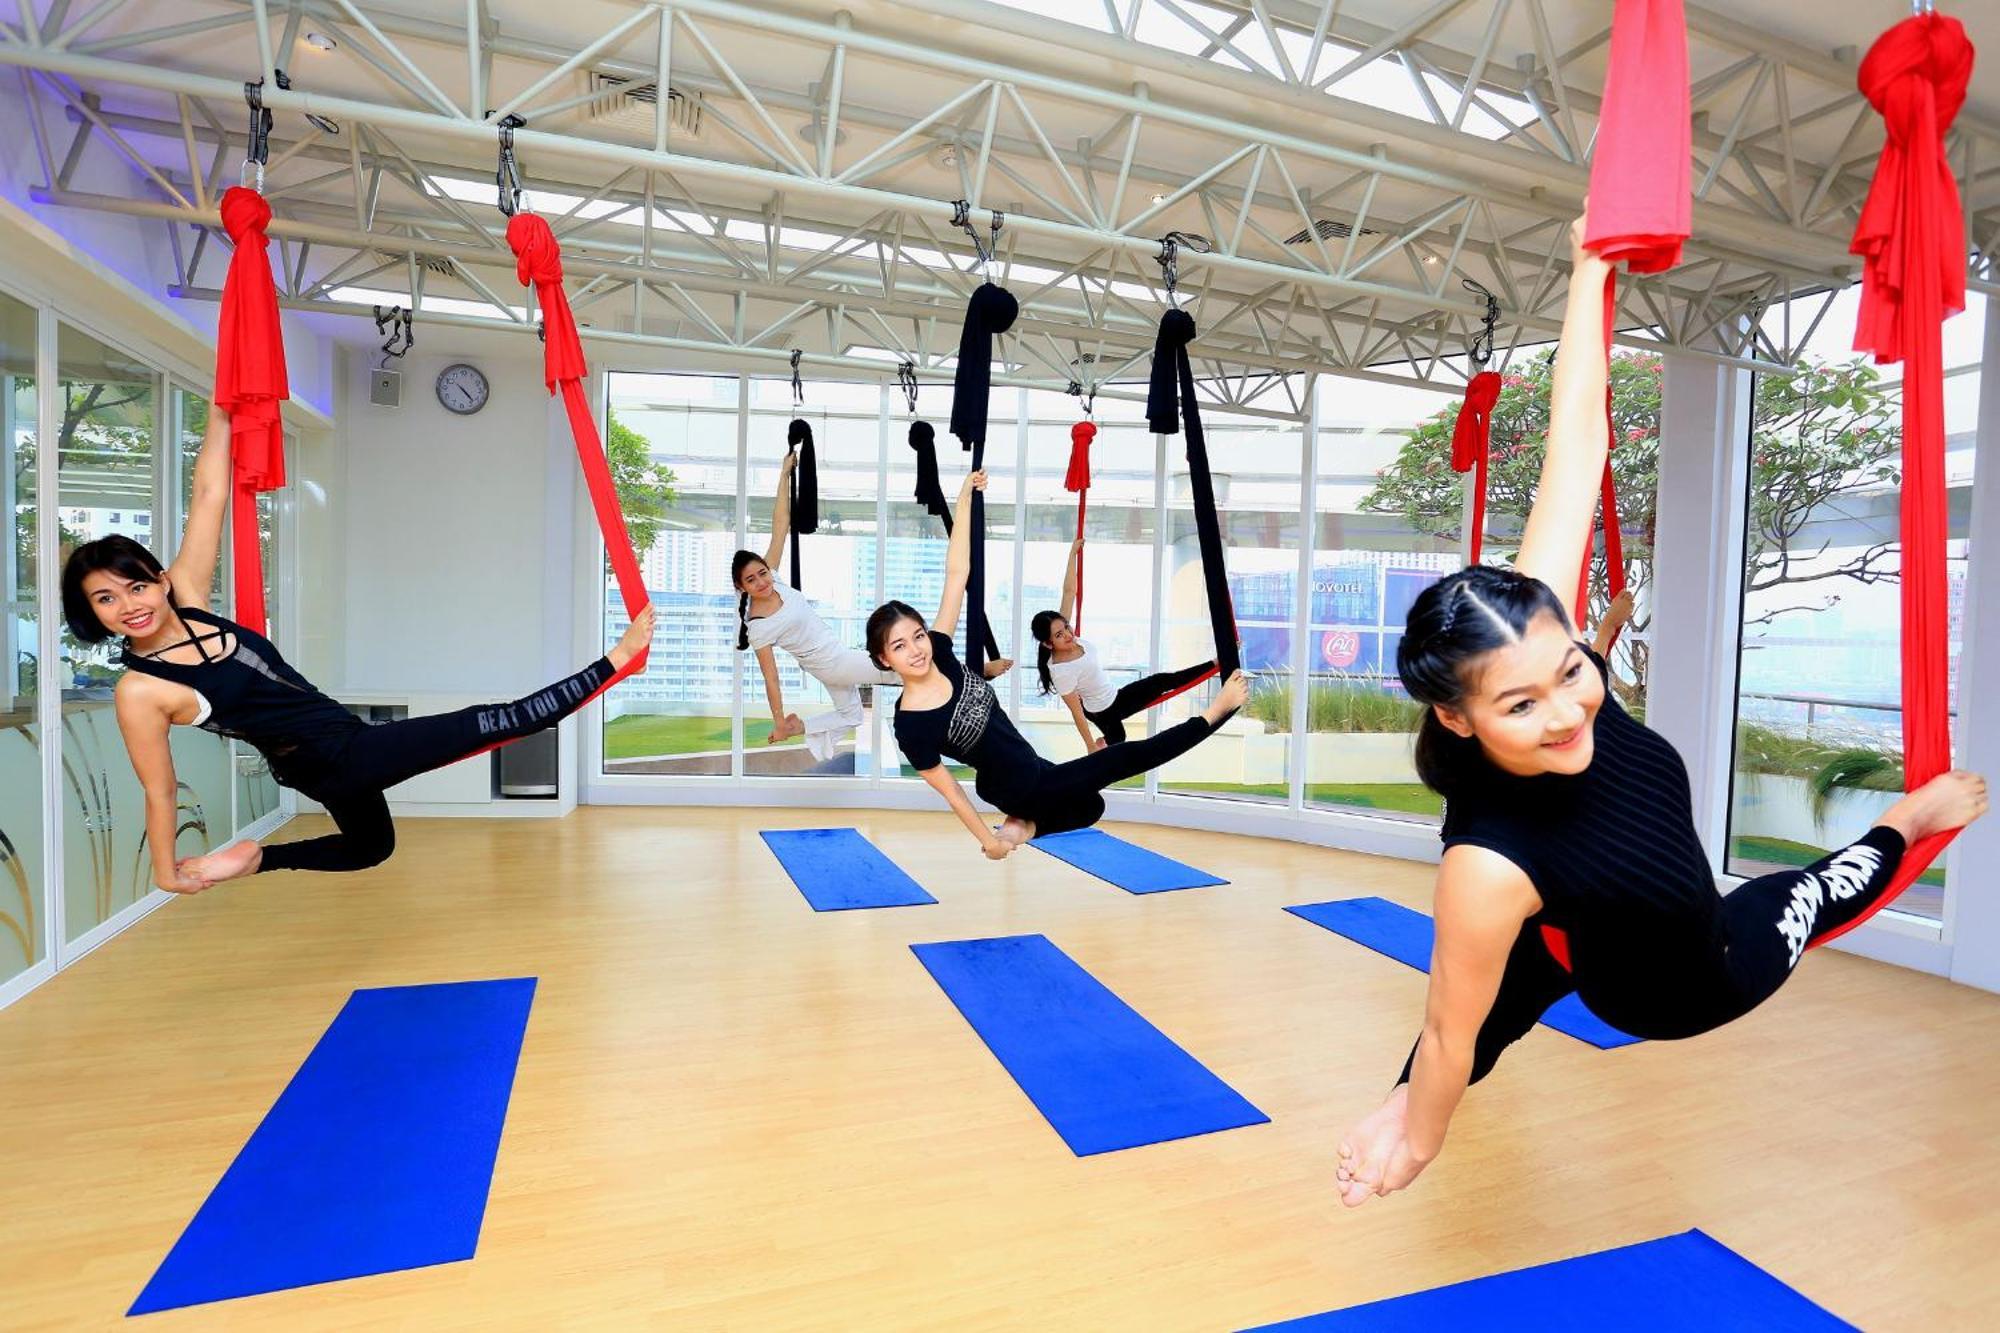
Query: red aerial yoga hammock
[[1641, 205], [1911, 238], [1471, 441], [250, 385], [538, 260], [1077, 479]]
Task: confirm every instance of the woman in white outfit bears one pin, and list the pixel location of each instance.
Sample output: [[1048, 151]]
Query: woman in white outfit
[[773, 615], [1070, 669]]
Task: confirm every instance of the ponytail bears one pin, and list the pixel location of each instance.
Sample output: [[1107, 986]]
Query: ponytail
[[1042, 626], [742, 621]]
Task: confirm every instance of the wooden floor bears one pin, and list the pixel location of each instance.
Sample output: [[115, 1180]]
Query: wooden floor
[[734, 1113]]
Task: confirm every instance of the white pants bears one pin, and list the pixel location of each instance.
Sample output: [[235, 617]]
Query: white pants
[[843, 677]]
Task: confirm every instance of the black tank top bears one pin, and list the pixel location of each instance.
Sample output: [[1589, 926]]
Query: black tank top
[[255, 696], [1614, 855]]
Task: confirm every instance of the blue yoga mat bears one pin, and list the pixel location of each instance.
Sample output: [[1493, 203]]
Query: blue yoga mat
[[837, 869], [1670, 1285], [1405, 935], [376, 1156], [1116, 861], [1102, 1075]]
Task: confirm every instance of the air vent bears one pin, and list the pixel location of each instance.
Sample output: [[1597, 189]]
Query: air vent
[[627, 102], [1328, 230], [428, 263]]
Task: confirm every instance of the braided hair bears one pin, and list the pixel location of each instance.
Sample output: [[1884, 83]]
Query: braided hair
[[741, 561], [1453, 623]]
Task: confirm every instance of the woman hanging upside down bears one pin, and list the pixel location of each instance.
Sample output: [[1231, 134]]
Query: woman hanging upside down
[[1569, 827], [944, 713], [188, 667], [772, 615], [1068, 668]]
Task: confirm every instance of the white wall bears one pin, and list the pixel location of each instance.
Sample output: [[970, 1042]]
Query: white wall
[[449, 537]]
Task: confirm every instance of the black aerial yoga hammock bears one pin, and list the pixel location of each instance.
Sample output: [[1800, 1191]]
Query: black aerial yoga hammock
[[1170, 403], [990, 311], [805, 492], [930, 494]]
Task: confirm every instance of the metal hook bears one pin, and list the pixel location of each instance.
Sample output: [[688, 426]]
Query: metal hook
[[400, 325], [507, 176], [798, 385], [1089, 397], [906, 376], [961, 217], [1169, 259], [1480, 349], [258, 150], [1918, 8]]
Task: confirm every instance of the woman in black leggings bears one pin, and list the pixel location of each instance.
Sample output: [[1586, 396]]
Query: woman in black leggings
[[188, 667], [1571, 859], [946, 713]]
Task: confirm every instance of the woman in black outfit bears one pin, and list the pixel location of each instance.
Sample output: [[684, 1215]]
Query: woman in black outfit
[[188, 667], [944, 713], [1571, 859]]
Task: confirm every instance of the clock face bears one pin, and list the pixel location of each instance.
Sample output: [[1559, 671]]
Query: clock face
[[462, 389]]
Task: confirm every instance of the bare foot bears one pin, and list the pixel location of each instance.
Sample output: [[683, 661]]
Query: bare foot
[[637, 638], [1015, 831], [1366, 1149], [1235, 692], [785, 728], [1948, 801], [232, 862], [999, 667]]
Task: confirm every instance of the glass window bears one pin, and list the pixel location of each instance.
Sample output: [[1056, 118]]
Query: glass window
[[915, 548], [839, 571], [23, 884], [1387, 511], [1116, 620], [109, 408], [1819, 720], [671, 440], [1256, 467]]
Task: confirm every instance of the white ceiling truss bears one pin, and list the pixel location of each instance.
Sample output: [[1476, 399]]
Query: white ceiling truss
[[1351, 162]]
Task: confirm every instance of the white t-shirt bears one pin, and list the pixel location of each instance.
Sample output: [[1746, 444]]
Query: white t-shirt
[[796, 628], [1086, 674]]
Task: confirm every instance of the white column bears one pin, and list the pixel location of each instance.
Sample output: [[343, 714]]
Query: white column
[[1302, 648], [1696, 592], [1972, 909]]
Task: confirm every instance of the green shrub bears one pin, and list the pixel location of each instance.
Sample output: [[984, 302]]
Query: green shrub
[[1334, 706]]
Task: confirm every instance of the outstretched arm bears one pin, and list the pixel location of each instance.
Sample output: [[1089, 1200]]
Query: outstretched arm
[[144, 723], [193, 572], [1069, 580], [1075, 701], [774, 691], [958, 559], [781, 512], [945, 785], [1558, 529]]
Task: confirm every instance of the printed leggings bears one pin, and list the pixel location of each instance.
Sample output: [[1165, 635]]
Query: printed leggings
[[1140, 695], [379, 757], [1768, 924]]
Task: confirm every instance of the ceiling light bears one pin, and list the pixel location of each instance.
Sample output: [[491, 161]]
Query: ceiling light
[[1159, 199], [1430, 259], [319, 41]]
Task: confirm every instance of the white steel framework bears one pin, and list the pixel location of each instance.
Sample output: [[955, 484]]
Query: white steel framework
[[1352, 165]]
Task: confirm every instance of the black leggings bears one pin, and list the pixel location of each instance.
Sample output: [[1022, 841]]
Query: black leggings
[[1767, 922], [1140, 695], [1070, 796], [377, 758]]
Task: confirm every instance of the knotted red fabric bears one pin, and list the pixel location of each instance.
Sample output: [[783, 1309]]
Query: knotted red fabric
[[1471, 440], [250, 385], [1078, 479], [1641, 203], [1911, 238], [538, 260]]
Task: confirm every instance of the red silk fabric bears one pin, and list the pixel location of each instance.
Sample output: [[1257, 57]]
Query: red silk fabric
[[1471, 440], [1078, 479], [1911, 238], [250, 385], [1641, 201], [538, 261]]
